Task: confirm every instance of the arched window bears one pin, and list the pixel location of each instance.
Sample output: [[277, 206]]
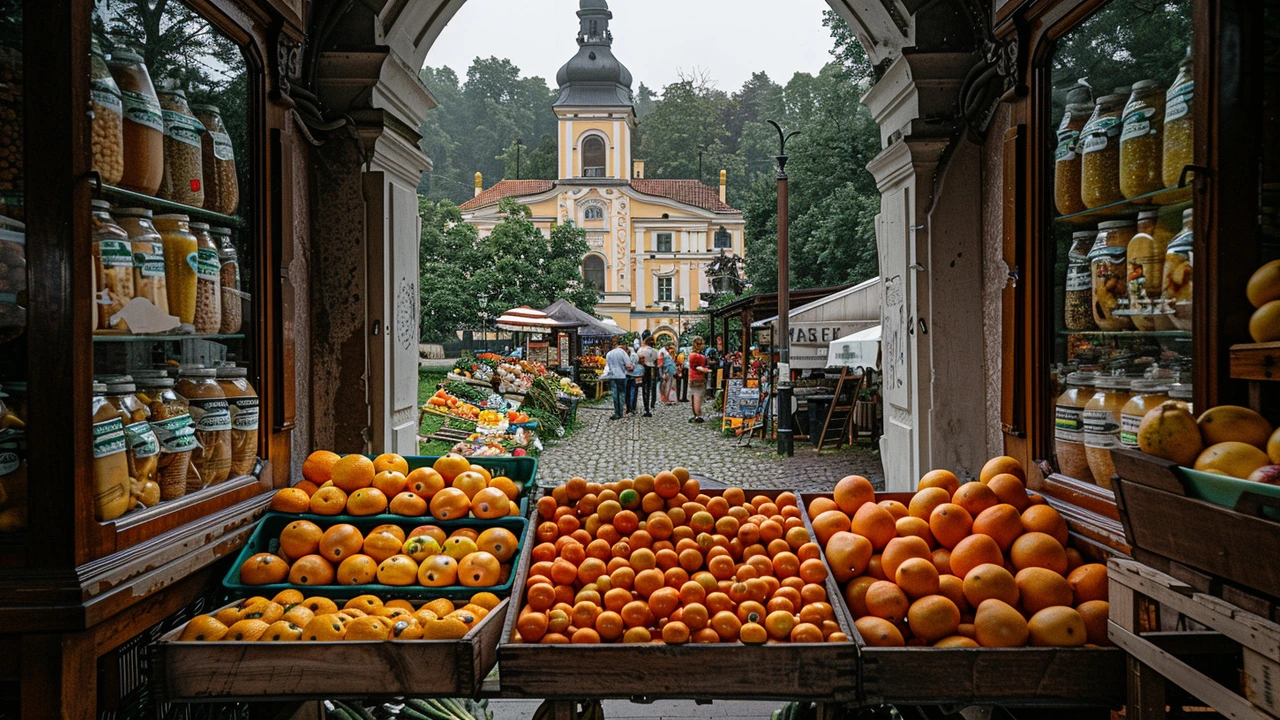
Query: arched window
[[593, 271], [593, 156], [724, 239], [594, 213]]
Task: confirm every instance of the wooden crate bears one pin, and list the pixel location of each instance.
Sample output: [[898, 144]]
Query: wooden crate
[[1151, 664], [776, 671], [1012, 677], [259, 671]]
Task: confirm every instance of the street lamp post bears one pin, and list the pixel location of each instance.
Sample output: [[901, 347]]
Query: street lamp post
[[483, 302], [519, 144], [786, 439]]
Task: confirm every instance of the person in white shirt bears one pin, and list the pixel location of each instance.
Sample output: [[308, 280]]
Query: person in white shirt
[[635, 376], [648, 387], [616, 366]]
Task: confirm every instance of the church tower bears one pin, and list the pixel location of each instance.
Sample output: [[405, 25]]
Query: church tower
[[596, 107]]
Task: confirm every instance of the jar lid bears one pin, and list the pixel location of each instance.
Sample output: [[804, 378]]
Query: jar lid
[[202, 227], [197, 371], [159, 381], [100, 204], [120, 388], [215, 230], [1079, 108], [212, 109], [1113, 99], [113, 379], [99, 388], [176, 217], [1186, 214], [1114, 382], [232, 371], [149, 373], [1149, 215], [1084, 234], [132, 212], [1116, 224], [1181, 391], [1122, 90], [1085, 378], [1146, 385], [1144, 84]]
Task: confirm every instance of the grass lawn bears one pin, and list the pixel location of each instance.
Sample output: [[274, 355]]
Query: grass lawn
[[427, 381]]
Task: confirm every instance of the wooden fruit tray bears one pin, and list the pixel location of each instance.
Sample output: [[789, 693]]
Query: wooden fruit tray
[[776, 671], [259, 671], [1012, 677]]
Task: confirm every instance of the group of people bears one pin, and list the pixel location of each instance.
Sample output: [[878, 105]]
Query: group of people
[[650, 372]]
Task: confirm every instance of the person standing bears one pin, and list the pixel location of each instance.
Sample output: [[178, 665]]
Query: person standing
[[635, 376], [697, 378], [649, 383], [616, 365], [667, 367]]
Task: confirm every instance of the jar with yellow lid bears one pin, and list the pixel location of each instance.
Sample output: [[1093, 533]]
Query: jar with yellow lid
[[110, 465], [112, 267], [211, 458], [171, 422], [1141, 140], [1145, 258], [1066, 159], [181, 258], [1068, 425], [242, 400], [1107, 261], [1100, 153], [1102, 425], [1147, 394], [143, 450], [1179, 130], [148, 255], [1177, 291]]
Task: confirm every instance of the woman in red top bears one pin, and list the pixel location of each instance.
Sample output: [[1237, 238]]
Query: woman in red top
[[697, 379]]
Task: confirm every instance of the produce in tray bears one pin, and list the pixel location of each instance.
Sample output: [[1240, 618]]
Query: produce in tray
[[1225, 440], [656, 559], [981, 564], [291, 616]]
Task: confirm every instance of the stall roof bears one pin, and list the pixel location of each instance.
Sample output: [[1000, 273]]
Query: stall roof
[[589, 326], [859, 303], [526, 319], [768, 302]]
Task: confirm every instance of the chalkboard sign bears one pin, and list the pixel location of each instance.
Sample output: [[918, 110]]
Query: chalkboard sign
[[741, 402]]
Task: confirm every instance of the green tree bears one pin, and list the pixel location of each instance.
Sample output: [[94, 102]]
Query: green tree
[[448, 257], [522, 266]]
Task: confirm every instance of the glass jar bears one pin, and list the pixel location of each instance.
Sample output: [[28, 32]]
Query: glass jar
[[1066, 159], [148, 255], [208, 317], [1145, 260], [1107, 268], [143, 450], [110, 466], [1100, 153], [221, 184], [1176, 291], [171, 422], [1068, 425], [143, 123], [13, 457], [112, 267], [12, 127], [1102, 425], [232, 298], [13, 279], [183, 179], [1179, 130], [181, 257], [1142, 140], [1078, 314], [211, 459], [1183, 392], [242, 401], [108, 118], [1147, 395]]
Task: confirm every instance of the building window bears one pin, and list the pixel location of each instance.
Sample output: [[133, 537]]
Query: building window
[[594, 213], [593, 157], [666, 289], [724, 239], [593, 272], [664, 242]]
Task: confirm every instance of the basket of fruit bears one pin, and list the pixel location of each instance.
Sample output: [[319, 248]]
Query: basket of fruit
[[651, 587], [967, 594], [292, 645]]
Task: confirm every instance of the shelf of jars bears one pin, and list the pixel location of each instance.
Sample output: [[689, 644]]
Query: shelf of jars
[[125, 337], [1136, 334], [1178, 197], [125, 198]]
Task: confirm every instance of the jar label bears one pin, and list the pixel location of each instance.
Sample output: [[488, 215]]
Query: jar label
[[9, 462], [1129, 430], [1097, 133], [1178, 100], [106, 95], [244, 414], [149, 263], [1066, 151], [1101, 430], [182, 128], [176, 434], [208, 266], [1078, 278], [142, 439], [1068, 424], [115, 253], [211, 415], [193, 260], [143, 109], [1137, 126], [108, 438], [222, 145]]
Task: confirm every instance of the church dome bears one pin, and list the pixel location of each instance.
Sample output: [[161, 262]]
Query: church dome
[[594, 77]]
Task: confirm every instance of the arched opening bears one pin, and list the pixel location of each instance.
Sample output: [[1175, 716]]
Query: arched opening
[[593, 271], [593, 213], [593, 156]]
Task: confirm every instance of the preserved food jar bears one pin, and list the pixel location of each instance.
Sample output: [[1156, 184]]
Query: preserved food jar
[[110, 466], [221, 185], [143, 123], [183, 179], [13, 279], [1068, 426], [1100, 153], [1145, 260], [242, 400], [174, 429], [148, 255], [1182, 392], [1179, 129], [1102, 425], [1148, 393], [1107, 267], [232, 298], [208, 318], [143, 449], [1178, 258], [13, 457], [108, 119], [112, 267], [11, 128], [1079, 283], [181, 258], [1066, 159], [1142, 140], [211, 458]]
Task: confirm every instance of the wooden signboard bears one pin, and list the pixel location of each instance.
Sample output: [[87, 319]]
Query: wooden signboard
[[742, 403]]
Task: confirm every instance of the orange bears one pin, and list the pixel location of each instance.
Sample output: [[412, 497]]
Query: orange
[[490, 503], [848, 555], [973, 551], [357, 570], [975, 497], [1095, 613], [392, 528], [288, 597], [727, 625], [878, 632], [895, 508], [381, 545], [575, 488], [924, 501], [806, 633], [852, 492], [1043, 518], [320, 605], [424, 482], [390, 482], [507, 486], [1036, 549], [532, 626], [917, 577], [989, 581], [817, 506], [942, 560], [432, 531], [328, 501], [1001, 523], [470, 483], [311, 570], [875, 524], [353, 472], [450, 466], [366, 501], [406, 629], [203, 628], [1088, 583], [307, 487], [290, 500], [855, 594], [1074, 559], [998, 624], [408, 504], [390, 462], [365, 603], [911, 525], [245, 631], [340, 541], [300, 537], [1040, 588], [438, 571], [899, 550], [368, 628], [1057, 627], [397, 570], [950, 524], [482, 471], [318, 466], [886, 600], [1002, 464], [499, 542], [944, 479], [450, 504], [957, 641], [1009, 489], [752, 634], [325, 627], [666, 485], [933, 617], [825, 525], [479, 569], [420, 547], [952, 588], [263, 569]]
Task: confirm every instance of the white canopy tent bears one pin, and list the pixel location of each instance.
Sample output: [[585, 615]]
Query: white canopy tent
[[813, 327], [526, 319], [861, 349]]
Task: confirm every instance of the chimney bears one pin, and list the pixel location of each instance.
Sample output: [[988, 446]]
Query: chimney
[[724, 186], [637, 169], [480, 184]]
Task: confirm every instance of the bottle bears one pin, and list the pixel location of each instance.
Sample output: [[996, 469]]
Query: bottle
[[221, 184], [110, 466], [183, 179], [171, 422], [242, 400], [1078, 315], [211, 459], [1148, 393], [1102, 425], [1066, 159]]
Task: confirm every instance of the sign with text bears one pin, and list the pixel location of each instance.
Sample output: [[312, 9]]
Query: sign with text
[[742, 401], [811, 340]]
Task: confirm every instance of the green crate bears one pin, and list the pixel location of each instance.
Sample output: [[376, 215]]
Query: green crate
[[266, 536], [1226, 491]]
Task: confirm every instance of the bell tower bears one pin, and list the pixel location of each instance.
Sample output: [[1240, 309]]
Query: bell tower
[[596, 106]]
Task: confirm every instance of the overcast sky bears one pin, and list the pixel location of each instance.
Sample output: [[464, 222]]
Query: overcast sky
[[656, 39]]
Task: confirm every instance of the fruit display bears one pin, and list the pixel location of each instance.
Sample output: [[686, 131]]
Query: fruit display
[[656, 559], [983, 564], [291, 616], [1226, 440], [445, 404], [451, 489]]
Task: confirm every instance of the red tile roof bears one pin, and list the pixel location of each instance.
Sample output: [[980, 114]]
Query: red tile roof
[[506, 189], [689, 192]]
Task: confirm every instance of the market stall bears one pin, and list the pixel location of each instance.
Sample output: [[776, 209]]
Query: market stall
[[587, 344]]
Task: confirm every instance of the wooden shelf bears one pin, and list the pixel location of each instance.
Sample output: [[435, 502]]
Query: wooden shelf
[[1166, 334], [163, 337], [1174, 198], [128, 198], [1256, 361]]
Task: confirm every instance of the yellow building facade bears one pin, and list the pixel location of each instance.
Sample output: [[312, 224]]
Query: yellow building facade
[[651, 240]]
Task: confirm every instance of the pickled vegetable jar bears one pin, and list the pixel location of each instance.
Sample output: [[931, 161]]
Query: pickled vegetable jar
[[174, 429], [110, 465], [1079, 283], [148, 255], [1100, 153], [1145, 260], [112, 267], [183, 179], [242, 400], [143, 451], [232, 298], [1179, 129], [1147, 395], [208, 316], [143, 123], [1102, 425], [1068, 425], [221, 184], [181, 259], [1177, 293], [211, 459], [1142, 140], [108, 119], [1107, 262], [1066, 159]]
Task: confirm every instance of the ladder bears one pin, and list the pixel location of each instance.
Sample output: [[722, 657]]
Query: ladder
[[840, 414]]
